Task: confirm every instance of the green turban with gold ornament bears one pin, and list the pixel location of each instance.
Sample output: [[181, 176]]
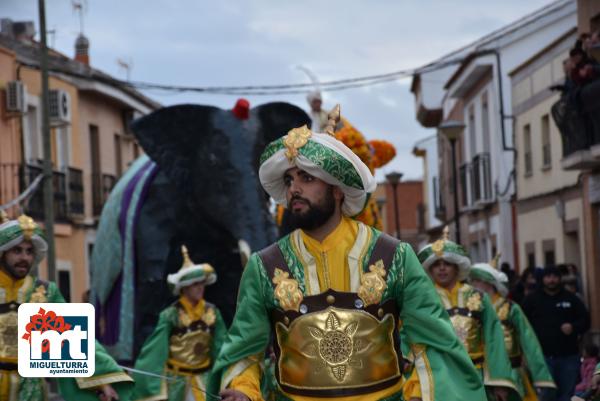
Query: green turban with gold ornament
[[449, 251], [24, 228], [320, 155], [489, 273], [191, 273]]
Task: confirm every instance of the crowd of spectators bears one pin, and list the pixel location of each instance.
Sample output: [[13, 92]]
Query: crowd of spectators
[[551, 300], [582, 66]]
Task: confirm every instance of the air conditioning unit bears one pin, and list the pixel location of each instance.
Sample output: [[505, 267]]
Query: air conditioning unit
[[60, 107], [16, 97], [130, 116]]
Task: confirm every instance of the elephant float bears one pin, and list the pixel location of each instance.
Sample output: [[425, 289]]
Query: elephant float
[[196, 185]]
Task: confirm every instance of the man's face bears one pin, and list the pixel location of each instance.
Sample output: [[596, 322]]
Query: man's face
[[484, 286], [311, 201], [444, 274], [551, 282], [17, 261], [194, 292], [315, 104]]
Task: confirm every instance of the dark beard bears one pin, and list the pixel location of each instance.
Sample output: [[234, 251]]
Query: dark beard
[[316, 215], [11, 269]]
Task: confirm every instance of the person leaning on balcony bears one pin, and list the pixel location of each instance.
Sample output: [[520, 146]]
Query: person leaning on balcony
[[334, 293], [22, 246], [524, 350], [472, 315]]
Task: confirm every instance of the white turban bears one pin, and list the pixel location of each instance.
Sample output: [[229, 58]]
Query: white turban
[[14, 232], [322, 156]]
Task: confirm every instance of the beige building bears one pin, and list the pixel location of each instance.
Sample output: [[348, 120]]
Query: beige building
[[91, 144], [580, 131], [549, 199]]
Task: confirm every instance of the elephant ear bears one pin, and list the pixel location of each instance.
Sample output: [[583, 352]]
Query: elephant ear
[[277, 119], [171, 136]]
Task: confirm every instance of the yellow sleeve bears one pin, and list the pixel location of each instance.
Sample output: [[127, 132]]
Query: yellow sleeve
[[248, 382], [412, 386]]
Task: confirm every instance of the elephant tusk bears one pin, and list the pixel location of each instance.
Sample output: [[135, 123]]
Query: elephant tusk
[[245, 252]]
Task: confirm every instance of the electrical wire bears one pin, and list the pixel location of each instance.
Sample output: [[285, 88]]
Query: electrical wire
[[262, 90]]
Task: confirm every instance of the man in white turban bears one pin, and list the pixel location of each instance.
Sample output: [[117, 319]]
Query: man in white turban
[[334, 292], [22, 247]]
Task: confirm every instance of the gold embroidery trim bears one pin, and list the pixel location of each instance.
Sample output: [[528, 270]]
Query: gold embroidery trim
[[209, 316], [287, 292], [39, 295], [503, 311], [474, 302], [372, 284]]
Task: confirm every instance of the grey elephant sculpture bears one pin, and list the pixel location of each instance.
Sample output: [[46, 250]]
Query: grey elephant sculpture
[[197, 185]]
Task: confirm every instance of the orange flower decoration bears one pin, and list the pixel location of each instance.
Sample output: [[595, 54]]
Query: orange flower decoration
[[355, 140], [383, 152]]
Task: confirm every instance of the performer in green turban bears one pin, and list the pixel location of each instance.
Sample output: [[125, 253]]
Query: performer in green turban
[[334, 292], [472, 316], [524, 350], [184, 343], [22, 246]]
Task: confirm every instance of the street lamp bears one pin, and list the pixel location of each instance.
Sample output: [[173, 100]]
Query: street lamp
[[393, 179], [452, 130]]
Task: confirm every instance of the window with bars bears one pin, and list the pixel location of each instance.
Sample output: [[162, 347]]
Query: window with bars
[[546, 148], [481, 179], [438, 199], [527, 156], [465, 182]]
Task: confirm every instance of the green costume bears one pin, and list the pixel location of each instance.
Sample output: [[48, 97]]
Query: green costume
[[437, 353], [183, 346], [31, 290], [522, 346], [335, 314], [474, 319]]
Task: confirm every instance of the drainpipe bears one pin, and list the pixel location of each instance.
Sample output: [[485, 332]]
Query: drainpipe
[[506, 148]]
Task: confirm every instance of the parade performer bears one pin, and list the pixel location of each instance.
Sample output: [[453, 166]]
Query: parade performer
[[334, 292], [179, 354], [23, 246], [317, 114], [471, 314], [521, 343]]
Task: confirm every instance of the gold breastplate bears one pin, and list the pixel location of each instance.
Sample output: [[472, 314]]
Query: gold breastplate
[[8, 332], [190, 346], [467, 325], [337, 346]]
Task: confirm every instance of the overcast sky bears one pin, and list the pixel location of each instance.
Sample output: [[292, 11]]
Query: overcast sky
[[243, 42]]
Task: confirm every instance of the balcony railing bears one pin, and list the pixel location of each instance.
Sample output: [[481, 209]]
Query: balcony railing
[[76, 203], [67, 190], [102, 184], [577, 116], [35, 206]]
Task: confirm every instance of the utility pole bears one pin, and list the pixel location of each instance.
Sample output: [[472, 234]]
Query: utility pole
[[48, 189]]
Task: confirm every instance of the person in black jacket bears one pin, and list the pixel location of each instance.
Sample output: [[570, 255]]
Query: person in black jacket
[[559, 318]]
